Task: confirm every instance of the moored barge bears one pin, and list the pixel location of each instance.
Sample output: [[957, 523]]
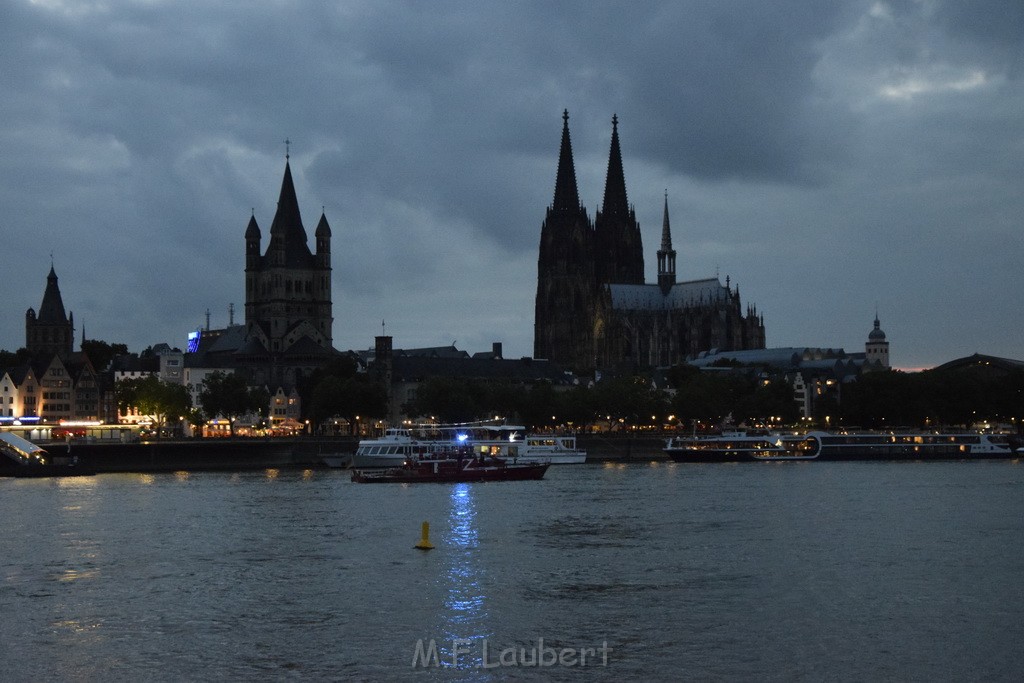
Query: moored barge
[[739, 447]]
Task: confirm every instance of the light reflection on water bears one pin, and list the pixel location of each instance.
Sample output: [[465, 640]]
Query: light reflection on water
[[465, 615]]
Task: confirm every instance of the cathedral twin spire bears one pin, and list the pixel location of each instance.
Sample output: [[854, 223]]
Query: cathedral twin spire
[[567, 197], [615, 202], [593, 307], [615, 232], [619, 246]]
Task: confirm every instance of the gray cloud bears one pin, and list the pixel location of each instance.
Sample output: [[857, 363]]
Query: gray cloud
[[828, 156]]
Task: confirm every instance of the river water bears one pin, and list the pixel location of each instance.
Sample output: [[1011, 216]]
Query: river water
[[755, 571]]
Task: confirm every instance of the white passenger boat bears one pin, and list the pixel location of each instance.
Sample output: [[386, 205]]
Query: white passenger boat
[[509, 442], [911, 446], [557, 449]]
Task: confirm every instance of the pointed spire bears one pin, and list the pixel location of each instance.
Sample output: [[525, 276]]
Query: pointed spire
[[567, 196], [52, 308], [666, 255], [323, 229], [288, 219], [615, 201], [876, 333], [252, 231], [287, 236], [666, 232]]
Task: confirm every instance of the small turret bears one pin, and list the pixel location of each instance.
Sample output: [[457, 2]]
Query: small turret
[[252, 243], [323, 241]]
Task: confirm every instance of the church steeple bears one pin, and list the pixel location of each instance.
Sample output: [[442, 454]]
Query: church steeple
[[619, 247], [287, 290], [52, 309], [666, 255], [53, 330], [615, 202], [287, 236], [567, 197], [877, 347]]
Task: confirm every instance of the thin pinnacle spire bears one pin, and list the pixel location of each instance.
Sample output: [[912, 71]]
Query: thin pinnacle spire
[[666, 232], [666, 255]]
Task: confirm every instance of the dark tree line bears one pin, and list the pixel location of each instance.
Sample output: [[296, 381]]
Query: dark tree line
[[621, 401], [338, 389], [932, 398], [957, 397]]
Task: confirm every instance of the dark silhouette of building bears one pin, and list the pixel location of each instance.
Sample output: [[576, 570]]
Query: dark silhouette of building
[[288, 313], [877, 347], [52, 330], [593, 308], [68, 385], [288, 289]]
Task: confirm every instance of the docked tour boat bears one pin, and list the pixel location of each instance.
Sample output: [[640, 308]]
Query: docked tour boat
[[555, 449], [455, 465], [738, 446], [22, 458], [510, 442], [911, 446]]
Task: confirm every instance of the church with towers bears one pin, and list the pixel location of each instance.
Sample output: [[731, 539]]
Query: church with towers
[[594, 309], [289, 321], [288, 288], [51, 330]]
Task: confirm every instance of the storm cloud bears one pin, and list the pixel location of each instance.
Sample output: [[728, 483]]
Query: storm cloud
[[833, 159]]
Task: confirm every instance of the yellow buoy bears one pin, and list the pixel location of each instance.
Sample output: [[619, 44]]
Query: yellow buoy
[[424, 542]]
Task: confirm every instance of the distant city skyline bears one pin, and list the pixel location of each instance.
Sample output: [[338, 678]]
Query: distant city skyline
[[833, 159]]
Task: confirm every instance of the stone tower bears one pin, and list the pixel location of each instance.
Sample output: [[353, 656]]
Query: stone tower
[[52, 330], [877, 347], [566, 287], [288, 288]]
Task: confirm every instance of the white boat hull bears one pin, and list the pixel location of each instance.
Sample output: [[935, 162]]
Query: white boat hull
[[360, 460]]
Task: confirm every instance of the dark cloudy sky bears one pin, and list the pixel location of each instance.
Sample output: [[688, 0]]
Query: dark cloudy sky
[[830, 157]]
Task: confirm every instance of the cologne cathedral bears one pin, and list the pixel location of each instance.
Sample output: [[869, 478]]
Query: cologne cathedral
[[593, 308]]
